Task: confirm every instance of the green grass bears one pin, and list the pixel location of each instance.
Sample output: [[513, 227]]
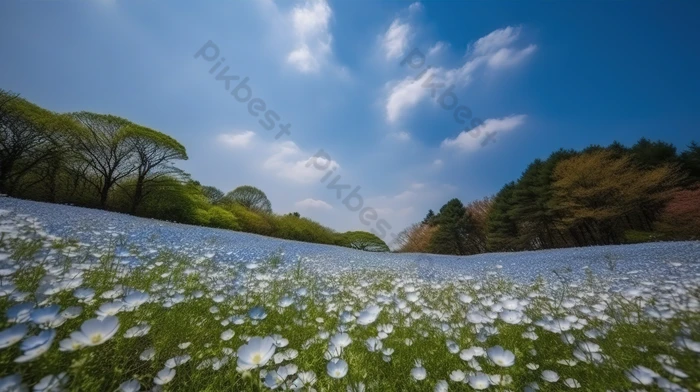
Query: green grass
[[630, 338]]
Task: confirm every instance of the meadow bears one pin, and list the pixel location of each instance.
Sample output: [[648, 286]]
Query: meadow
[[98, 301]]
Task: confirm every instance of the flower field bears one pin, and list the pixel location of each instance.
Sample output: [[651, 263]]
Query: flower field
[[96, 301]]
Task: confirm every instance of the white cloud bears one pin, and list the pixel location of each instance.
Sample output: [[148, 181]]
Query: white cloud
[[236, 140], [313, 204], [288, 161], [506, 57], [415, 7], [437, 48], [496, 40], [310, 23], [474, 139], [491, 51], [396, 39], [405, 95]]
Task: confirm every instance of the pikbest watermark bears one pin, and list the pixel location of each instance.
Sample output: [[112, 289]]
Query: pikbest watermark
[[257, 107], [448, 100], [242, 91]]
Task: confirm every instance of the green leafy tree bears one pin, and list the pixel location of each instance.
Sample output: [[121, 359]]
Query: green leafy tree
[[362, 240], [153, 156], [454, 226], [249, 197], [105, 151], [29, 137], [648, 154], [502, 228], [213, 194]]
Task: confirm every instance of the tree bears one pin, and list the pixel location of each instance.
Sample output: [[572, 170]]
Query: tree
[[415, 238], [596, 191], [429, 218], [648, 154], [105, 150], [454, 226], [154, 153], [680, 218], [502, 229], [213, 194], [690, 161], [532, 195], [249, 197], [28, 137], [362, 240]]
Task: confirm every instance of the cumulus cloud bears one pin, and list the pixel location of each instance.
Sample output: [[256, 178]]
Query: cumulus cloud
[[494, 51], [288, 161], [310, 23], [237, 139], [395, 40], [313, 204], [477, 137]]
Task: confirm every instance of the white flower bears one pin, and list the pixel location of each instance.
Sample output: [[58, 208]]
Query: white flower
[[164, 376], [341, 340], [368, 315], [688, 344], [285, 302], [137, 331], [52, 383], [12, 335], [94, 332], [45, 315], [184, 345], [418, 372], [134, 300], [257, 313], [227, 335], [34, 346], [501, 357], [256, 353], [19, 313], [84, 295], [641, 375], [130, 386], [337, 368], [69, 344], [72, 312], [457, 375], [110, 308], [373, 344], [550, 376], [511, 316], [12, 383], [304, 379], [479, 381], [356, 387], [148, 354], [177, 361], [441, 386], [465, 298], [572, 383]]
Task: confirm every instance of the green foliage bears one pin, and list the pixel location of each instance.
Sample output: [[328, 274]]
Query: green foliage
[[453, 227], [362, 240], [223, 219], [249, 197]]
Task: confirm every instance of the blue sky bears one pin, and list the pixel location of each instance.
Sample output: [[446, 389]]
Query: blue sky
[[540, 75]]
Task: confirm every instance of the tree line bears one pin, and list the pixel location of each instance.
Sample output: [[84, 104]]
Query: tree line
[[108, 162], [597, 196]]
